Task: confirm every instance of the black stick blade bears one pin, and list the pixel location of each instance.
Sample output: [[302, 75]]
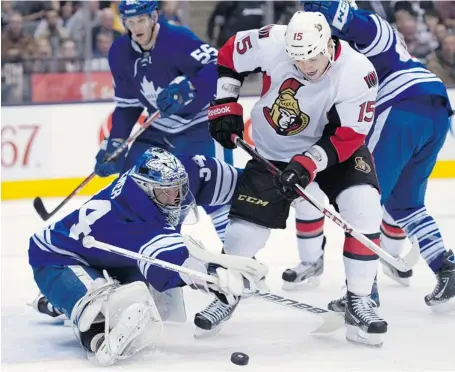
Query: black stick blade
[[40, 209]]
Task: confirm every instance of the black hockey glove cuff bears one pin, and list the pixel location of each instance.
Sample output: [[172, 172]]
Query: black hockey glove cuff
[[225, 118]]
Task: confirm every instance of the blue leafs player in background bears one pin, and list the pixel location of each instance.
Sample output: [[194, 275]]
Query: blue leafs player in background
[[141, 211], [410, 127], [159, 66]]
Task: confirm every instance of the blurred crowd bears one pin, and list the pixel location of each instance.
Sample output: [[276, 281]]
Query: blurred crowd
[[43, 37], [54, 37]]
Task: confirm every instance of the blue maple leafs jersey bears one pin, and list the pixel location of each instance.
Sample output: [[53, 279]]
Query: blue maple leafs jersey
[[400, 76], [124, 216], [140, 76]]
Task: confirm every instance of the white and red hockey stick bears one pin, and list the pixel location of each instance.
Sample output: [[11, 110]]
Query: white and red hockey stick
[[401, 263]]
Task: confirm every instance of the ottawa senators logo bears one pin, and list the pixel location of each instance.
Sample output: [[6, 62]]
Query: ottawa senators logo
[[285, 115], [361, 165]]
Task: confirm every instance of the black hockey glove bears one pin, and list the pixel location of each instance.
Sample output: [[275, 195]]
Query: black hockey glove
[[226, 118], [301, 170]]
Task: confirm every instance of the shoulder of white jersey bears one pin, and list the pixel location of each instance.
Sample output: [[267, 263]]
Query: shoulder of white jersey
[[270, 37], [357, 73]]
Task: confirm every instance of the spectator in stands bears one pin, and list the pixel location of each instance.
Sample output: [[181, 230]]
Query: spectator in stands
[[100, 62], [233, 16], [52, 29], [442, 62], [383, 9], [406, 23], [446, 10], [431, 19], [34, 10], [106, 26], [68, 59], [44, 61], [87, 16], [17, 45], [66, 11], [440, 32], [7, 10], [169, 12], [118, 24]]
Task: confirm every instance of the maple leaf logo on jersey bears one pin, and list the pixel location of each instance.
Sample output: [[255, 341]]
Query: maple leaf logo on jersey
[[149, 91], [285, 115]]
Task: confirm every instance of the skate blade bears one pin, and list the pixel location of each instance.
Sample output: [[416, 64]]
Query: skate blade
[[331, 322], [444, 307], [306, 284], [405, 282], [357, 336], [200, 333]]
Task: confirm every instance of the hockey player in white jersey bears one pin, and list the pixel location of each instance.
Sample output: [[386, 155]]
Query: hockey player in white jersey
[[411, 124], [316, 108]]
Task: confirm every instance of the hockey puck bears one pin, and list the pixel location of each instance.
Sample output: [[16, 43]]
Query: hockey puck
[[241, 359]]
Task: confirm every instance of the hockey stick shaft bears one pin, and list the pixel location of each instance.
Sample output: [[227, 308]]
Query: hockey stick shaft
[[38, 202], [332, 321], [402, 264]]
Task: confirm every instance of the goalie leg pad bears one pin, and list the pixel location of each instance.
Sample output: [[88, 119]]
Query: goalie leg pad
[[132, 322]]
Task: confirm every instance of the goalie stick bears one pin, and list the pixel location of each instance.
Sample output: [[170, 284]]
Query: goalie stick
[[401, 263], [331, 321], [38, 202]]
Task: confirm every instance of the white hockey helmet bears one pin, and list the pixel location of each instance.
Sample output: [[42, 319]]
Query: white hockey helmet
[[307, 35]]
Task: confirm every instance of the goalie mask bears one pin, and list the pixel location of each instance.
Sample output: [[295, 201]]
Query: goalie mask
[[164, 179]]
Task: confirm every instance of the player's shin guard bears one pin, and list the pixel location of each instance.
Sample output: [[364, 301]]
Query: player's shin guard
[[393, 241]]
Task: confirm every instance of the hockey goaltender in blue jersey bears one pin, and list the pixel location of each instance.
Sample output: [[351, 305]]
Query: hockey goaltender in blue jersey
[[124, 215]]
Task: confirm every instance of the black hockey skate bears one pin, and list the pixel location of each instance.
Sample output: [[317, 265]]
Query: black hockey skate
[[442, 298], [363, 325], [209, 321], [339, 305], [42, 305]]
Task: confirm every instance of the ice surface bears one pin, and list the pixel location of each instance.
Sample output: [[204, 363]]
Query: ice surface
[[274, 337]]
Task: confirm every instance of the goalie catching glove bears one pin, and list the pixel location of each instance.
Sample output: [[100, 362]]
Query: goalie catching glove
[[226, 118]]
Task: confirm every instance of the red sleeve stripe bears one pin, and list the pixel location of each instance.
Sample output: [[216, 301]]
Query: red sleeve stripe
[[226, 54], [346, 141]]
